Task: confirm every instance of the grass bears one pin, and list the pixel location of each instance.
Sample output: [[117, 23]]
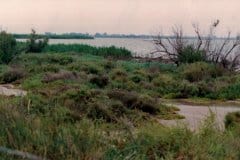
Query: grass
[[86, 106], [81, 48]]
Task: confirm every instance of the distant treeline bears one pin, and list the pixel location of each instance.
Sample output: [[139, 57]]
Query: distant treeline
[[144, 36], [101, 35], [56, 36], [106, 35]]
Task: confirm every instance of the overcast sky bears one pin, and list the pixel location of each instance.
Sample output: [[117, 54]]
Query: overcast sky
[[117, 16]]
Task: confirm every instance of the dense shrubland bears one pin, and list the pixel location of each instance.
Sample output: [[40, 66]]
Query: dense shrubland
[[96, 103], [89, 107]]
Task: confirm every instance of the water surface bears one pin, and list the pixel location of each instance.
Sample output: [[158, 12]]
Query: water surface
[[139, 47]]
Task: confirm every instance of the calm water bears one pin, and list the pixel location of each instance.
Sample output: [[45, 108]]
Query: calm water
[[139, 47], [195, 115]]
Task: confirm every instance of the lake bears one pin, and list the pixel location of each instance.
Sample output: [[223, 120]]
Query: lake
[[139, 47]]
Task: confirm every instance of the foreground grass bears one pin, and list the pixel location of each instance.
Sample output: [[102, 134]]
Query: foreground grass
[[82, 106]]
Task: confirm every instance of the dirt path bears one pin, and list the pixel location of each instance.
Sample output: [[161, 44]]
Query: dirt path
[[195, 115]]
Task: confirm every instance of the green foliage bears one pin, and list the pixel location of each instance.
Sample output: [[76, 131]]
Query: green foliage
[[100, 81], [35, 44], [8, 47], [81, 48], [62, 60], [13, 75], [132, 100], [231, 92], [190, 55], [232, 120], [155, 142], [200, 70], [74, 110]]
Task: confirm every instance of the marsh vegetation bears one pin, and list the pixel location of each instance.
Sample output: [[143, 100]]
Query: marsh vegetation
[[100, 103]]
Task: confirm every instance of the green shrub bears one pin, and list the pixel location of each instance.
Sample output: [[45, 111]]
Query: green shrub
[[118, 109], [12, 75], [190, 55], [136, 78], [109, 65], [7, 47], [232, 120], [100, 81], [147, 104], [165, 84], [35, 44], [186, 90], [119, 75], [112, 51], [230, 92], [62, 75], [101, 111], [134, 101], [93, 69], [61, 59], [50, 68], [199, 71]]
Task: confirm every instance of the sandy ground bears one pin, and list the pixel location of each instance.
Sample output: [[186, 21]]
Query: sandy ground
[[195, 115], [10, 90]]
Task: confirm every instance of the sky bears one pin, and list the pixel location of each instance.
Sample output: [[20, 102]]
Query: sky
[[118, 16]]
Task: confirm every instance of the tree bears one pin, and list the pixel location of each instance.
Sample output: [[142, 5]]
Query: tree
[[35, 43], [225, 52], [8, 47]]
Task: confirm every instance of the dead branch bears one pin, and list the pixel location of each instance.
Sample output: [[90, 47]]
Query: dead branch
[[209, 47]]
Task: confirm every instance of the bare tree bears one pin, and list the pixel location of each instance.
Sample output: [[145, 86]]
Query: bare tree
[[224, 52]]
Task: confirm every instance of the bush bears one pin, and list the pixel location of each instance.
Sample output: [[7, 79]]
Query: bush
[[232, 119], [100, 111], [199, 71], [112, 51], [35, 44], [136, 78], [134, 101], [92, 69], [100, 81], [191, 55], [231, 92], [147, 104], [62, 75], [109, 65], [12, 75], [119, 75], [186, 90], [61, 59], [7, 47], [165, 84]]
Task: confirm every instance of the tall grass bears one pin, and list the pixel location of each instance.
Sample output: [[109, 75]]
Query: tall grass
[[86, 49]]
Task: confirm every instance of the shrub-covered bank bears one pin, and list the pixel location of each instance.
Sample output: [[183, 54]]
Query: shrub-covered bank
[[94, 103]]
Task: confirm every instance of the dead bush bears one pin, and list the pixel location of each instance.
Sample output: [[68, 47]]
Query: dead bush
[[62, 75]]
